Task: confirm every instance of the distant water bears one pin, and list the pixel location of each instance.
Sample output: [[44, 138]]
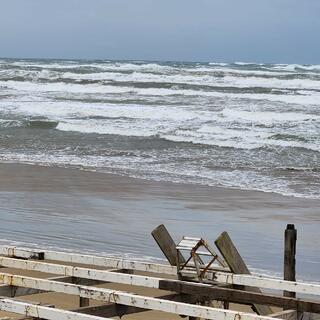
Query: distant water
[[248, 126]]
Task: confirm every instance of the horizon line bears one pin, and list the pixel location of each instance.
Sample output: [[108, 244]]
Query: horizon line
[[238, 62]]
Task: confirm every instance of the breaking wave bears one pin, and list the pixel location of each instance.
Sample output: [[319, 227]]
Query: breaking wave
[[242, 125]]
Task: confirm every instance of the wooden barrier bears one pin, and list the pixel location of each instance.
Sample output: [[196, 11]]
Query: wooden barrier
[[128, 299], [237, 265], [36, 311], [105, 275], [73, 278]]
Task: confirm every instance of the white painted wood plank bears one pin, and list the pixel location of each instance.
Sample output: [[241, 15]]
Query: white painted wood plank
[[90, 260], [267, 283], [223, 277], [32, 310], [153, 282], [192, 239], [79, 272], [26, 253], [129, 299]]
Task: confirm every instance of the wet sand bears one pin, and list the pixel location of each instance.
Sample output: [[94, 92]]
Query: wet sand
[[110, 214]]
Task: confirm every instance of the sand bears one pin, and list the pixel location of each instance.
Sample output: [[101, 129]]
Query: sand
[[104, 213], [110, 214]]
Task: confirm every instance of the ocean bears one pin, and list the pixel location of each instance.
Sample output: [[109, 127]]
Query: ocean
[[237, 125]]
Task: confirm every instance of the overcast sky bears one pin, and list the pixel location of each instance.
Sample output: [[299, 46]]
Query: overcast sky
[[284, 31]]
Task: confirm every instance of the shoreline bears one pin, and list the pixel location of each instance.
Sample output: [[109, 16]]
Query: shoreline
[[21, 167], [77, 209]]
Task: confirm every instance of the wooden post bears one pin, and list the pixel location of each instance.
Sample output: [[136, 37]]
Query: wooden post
[[289, 271], [166, 244], [237, 265], [83, 302], [168, 247]]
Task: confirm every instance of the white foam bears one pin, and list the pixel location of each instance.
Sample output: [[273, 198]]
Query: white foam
[[64, 110], [295, 67], [246, 180], [179, 104], [205, 80], [265, 117], [304, 98]]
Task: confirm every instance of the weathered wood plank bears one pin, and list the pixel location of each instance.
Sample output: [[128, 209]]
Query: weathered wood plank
[[166, 244], [310, 316], [12, 251], [285, 315], [114, 310], [75, 258], [42, 312], [13, 291], [129, 299], [239, 296], [153, 282], [104, 275], [237, 265]]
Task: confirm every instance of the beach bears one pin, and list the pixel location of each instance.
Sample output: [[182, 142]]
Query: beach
[[109, 214], [95, 154], [245, 126]]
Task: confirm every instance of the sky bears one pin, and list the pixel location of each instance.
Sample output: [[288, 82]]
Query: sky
[[279, 31]]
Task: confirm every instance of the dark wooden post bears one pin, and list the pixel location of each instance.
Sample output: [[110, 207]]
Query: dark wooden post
[[84, 302], [289, 271]]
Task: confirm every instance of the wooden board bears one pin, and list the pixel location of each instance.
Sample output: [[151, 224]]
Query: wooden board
[[108, 276], [33, 310], [237, 265], [89, 276], [167, 245], [240, 296], [129, 299]]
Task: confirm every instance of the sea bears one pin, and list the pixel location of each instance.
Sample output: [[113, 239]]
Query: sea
[[247, 126], [237, 125]]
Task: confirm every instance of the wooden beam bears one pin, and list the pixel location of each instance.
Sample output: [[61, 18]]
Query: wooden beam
[[85, 302], [166, 244], [114, 310], [153, 282], [237, 265], [286, 315], [309, 316], [75, 258], [168, 247], [129, 299], [42, 312], [239, 296], [105, 275], [289, 272], [14, 291], [23, 253]]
